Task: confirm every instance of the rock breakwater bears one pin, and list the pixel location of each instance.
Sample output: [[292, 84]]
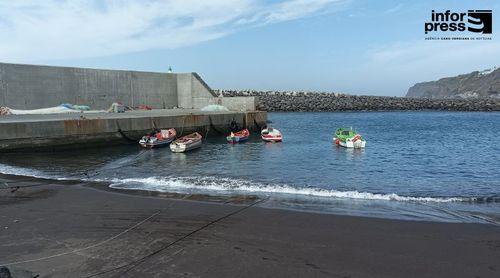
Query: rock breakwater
[[288, 101]]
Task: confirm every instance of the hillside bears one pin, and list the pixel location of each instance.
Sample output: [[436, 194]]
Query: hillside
[[477, 84]]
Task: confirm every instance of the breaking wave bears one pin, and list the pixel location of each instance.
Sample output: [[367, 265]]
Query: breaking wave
[[20, 171], [228, 185], [220, 185], [27, 172]]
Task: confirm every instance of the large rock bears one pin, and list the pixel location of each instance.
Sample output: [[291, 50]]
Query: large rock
[[484, 84]]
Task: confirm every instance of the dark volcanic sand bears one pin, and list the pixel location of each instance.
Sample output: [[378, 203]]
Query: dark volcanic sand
[[58, 217]]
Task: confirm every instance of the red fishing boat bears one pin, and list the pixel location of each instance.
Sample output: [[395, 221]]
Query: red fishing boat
[[237, 137], [158, 138]]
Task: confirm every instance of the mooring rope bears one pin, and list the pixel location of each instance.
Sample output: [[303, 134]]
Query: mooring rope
[[84, 248], [97, 172], [77, 176], [245, 121], [141, 260], [213, 127], [183, 124], [206, 133], [257, 124], [123, 134], [17, 187]]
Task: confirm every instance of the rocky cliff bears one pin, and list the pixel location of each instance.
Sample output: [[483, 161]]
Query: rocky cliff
[[477, 84]]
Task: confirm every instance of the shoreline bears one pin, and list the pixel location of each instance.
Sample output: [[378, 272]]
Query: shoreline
[[378, 207], [222, 239]]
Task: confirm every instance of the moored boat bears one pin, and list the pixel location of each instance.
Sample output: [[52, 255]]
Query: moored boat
[[186, 143], [237, 137], [348, 138], [158, 138], [270, 134]]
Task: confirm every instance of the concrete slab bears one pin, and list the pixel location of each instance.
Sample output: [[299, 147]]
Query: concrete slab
[[106, 115]]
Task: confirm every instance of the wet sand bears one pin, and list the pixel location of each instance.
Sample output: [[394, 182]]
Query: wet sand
[[72, 229]]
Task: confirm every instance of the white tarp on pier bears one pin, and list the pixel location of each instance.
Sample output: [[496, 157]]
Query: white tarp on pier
[[63, 108]]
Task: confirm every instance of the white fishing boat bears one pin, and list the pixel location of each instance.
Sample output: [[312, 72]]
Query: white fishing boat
[[271, 135], [186, 143]]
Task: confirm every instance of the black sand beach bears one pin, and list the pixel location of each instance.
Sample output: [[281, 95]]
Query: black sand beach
[[69, 229]]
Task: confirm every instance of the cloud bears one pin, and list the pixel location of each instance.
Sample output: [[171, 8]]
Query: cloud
[[392, 68], [290, 10], [429, 57], [63, 29], [394, 9]]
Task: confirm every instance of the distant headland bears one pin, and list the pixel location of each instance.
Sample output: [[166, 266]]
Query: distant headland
[[477, 84]]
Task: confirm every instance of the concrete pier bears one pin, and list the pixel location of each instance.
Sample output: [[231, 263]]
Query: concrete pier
[[60, 131], [176, 99]]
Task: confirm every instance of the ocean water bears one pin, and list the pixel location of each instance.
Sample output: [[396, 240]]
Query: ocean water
[[438, 166]]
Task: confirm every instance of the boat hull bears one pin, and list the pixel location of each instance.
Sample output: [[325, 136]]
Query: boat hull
[[236, 139], [272, 139], [181, 147], [156, 144], [350, 144]]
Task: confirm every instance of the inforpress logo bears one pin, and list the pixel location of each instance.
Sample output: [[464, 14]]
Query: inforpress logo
[[474, 21], [480, 21]]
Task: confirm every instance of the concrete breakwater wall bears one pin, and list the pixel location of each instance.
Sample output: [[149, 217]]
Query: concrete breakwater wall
[[312, 101], [33, 87]]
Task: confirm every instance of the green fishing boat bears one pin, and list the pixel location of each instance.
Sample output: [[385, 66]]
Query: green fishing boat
[[349, 138]]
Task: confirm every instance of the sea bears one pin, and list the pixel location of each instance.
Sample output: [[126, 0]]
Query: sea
[[423, 166]]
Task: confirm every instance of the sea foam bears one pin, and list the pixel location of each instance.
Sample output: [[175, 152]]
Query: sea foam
[[229, 185], [221, 185]]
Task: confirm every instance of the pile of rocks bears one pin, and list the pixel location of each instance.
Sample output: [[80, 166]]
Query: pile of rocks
[[317, 101]]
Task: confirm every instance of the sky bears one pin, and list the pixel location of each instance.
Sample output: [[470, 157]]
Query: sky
[[352, 46]]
